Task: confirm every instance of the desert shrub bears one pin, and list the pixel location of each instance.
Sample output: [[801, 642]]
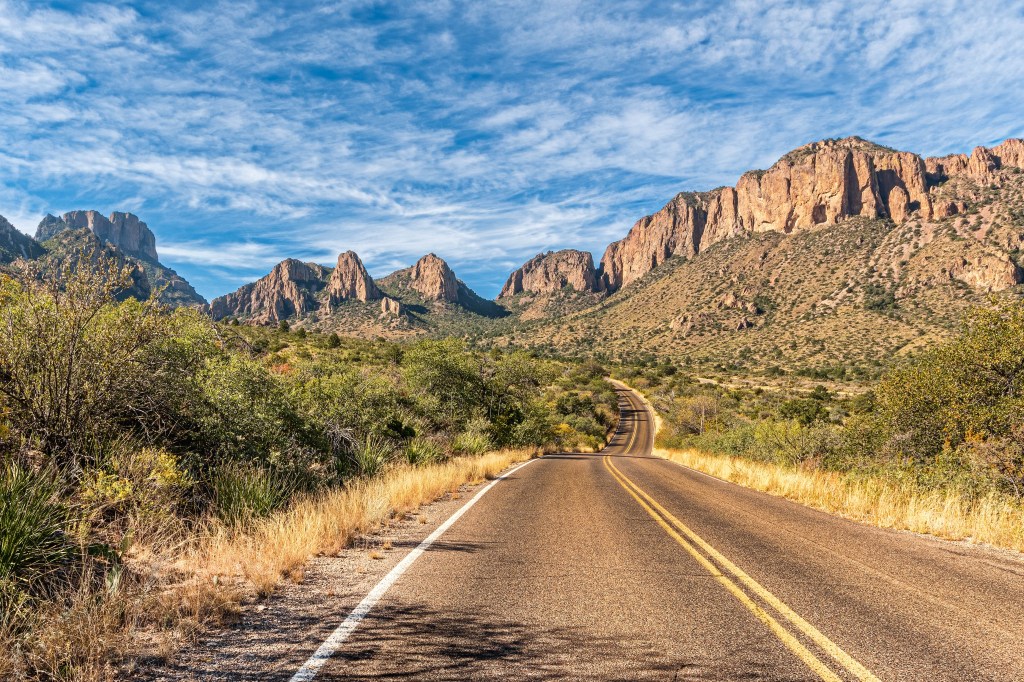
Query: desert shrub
[[971, 389], [444, 379], [806, 411], [77, 366], [248, 415], [474, 440]]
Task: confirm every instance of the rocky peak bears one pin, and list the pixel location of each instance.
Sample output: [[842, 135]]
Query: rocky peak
[[552, 271], [50, 226], [351, 281], [981, 165], [434, 280], [818, 184], [290, 289], [123, 230]]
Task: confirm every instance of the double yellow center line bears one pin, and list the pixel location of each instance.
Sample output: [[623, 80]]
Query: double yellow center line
[[734, 579]]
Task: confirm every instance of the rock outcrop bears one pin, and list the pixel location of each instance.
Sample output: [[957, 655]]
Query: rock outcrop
[[818, 184], [124, 230], [985, 272], [289, 290], [434, 280], [350, 281], [553, 271], [390, 307], [980, 165], [15, 245]]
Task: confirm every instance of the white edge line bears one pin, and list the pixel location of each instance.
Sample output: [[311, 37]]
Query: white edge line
[[320, 657]]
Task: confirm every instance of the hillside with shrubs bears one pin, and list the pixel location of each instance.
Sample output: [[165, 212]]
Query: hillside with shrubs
[[141, 445], [940, 431]]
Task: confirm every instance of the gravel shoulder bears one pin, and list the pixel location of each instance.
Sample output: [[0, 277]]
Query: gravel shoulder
[[274, 636]]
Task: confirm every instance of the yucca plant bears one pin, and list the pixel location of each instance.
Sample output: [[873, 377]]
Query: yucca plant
[[244, 491], [474, 440], [419, 451], [33, 527], [370, 456]]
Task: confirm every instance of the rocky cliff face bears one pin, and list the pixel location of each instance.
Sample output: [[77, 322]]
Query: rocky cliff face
[[434, 280], [821, 183], [553, 271], [350, 281], [15, 245], [123, 230], [290, 289]]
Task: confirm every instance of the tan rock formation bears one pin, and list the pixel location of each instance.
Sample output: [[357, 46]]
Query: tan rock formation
[[123, 230], [819, 183], [289, 290], [1010, 153], [434, 280], [982, 163], [550, 272], [985, 272], [350, 281], [390, 307]]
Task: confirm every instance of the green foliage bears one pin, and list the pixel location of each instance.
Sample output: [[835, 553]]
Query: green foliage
[[878, 298], [248, 414], [806, 411], [968, 389], [76, 365], [444, 379], [474, 440]]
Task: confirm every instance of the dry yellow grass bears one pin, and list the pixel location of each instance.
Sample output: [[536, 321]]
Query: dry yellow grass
[[182, 584], [992, 520], [276, 547]]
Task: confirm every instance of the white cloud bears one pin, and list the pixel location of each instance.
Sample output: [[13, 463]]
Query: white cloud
[[483, 131]]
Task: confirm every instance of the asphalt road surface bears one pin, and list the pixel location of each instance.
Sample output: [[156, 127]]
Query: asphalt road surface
[[621, 566]]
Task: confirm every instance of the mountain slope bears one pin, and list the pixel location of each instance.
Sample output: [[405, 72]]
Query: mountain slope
[[15, 245], [890, 263]]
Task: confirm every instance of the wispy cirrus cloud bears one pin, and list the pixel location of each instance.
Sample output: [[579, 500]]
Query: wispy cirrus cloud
[[246, 132]]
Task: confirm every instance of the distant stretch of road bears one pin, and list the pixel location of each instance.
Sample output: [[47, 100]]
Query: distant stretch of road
[[621, 566]]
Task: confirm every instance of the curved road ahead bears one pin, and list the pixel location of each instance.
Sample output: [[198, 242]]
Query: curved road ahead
[[620, 566]]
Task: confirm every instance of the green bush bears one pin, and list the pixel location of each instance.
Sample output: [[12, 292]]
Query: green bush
[[474, 440]]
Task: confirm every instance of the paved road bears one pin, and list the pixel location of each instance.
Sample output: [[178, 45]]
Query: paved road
[[620, 566]]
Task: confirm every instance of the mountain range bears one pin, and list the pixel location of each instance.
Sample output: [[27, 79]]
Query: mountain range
[[841, 244]]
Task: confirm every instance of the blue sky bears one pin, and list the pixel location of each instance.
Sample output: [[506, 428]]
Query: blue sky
[[485, 131]]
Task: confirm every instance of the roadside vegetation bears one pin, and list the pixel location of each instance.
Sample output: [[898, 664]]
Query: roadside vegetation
[[157, 469], [935, 446]]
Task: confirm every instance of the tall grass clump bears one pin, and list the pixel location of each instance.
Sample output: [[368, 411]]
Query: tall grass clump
[[419, 451]]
